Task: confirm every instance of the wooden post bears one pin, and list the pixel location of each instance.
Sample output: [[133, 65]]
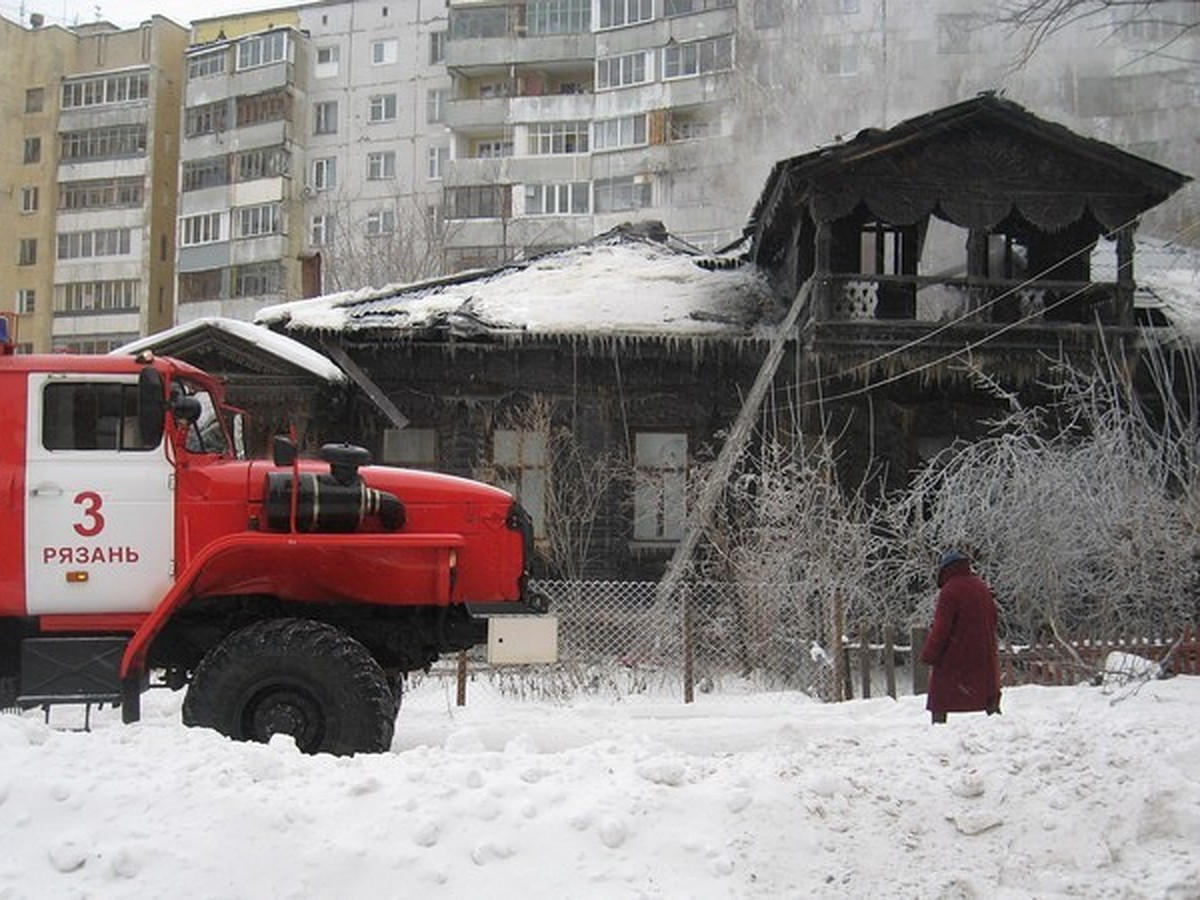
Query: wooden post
[[689, 658], [837, 651], [889, 660], [461, 698], [864, 663], [920, 672]]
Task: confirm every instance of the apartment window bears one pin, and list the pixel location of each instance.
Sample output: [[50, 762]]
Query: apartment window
[[26, 301], [839, 7], [382, 108], [33, 150], [325, 117], [698, 57], [29, 199], [103, 91], [615, 13], [263, 162], [616, 194], [558, 16], [114, 142], [686, 7], [320, 231], [414, 447], [324, 174], [488, 201], [198, 174], [209, 118], [35, 100], [435, 104], [97, 242], [381, 165], [437, 47], [839, 57], [205, 285], [268, 107], [96, 296], [558, 137], [569, 198], [383, 52], [619, 71], [690, 124], [254, 221], [327, 61], [262, 50], [27, 252], [437, 157], [480, 22], [202, 65], [200, 229], [257, 279], [520, 460], [660, 486], [381, 222], [493, 149], [103, 193], [612, 134]]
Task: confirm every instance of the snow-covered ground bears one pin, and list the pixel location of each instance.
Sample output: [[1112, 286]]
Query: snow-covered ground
[[1074, 791]]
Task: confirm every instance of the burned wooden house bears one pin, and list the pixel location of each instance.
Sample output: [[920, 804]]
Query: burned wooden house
[[966, 241], [895, 261]]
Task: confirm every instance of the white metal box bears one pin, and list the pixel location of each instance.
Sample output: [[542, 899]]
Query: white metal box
[[522, 639]]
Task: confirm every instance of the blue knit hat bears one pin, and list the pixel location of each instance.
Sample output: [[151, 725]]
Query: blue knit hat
[[950, 557]]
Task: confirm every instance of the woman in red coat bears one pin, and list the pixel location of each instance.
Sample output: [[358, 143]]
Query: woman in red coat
[[961, 646]]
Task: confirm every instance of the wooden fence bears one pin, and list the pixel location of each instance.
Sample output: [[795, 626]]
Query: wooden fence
[[872, 662]]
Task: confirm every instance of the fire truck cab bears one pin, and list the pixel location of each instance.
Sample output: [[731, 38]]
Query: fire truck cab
[[287, 595]]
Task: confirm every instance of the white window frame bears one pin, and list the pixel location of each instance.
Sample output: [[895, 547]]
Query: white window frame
[[619, 133], [29, 200], [324, 173], [660, 485], [619, 13], [567, 198], [381, 108], [436, 159], [624, 70], [26, 301], [521, 459], [260, 50], [694, 58], [384, 51], [381, 222], [203, 228], [381, 165], [325, 117], [258, 220], [320, 232], [553, 138], [435, 104]]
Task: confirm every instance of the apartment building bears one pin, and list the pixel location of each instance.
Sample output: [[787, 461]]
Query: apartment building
[[92, 158], [240, 202]]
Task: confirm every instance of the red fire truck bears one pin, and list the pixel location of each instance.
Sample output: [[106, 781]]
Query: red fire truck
[[288, 596]]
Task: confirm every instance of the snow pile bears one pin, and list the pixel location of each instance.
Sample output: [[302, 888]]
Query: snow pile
[[758, 795]]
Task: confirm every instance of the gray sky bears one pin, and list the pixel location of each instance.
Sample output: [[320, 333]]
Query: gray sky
[[127, 13]]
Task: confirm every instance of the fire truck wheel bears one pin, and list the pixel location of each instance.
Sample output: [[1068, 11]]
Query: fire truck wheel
[[298, 677]]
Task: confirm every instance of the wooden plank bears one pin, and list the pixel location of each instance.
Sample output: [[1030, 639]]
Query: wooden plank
[[920, 672], [864, 663], [889, 660]]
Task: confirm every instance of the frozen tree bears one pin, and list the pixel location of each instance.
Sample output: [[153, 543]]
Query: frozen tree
[[1082, 515], [1167, 22]]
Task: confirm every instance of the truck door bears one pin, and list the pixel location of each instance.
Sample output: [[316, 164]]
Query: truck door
[[99, 513]]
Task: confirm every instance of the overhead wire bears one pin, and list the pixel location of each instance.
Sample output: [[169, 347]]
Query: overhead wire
[[967, 348]]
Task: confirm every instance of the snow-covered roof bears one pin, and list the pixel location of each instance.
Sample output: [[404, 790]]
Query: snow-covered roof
[[616, 284], [268, 341]]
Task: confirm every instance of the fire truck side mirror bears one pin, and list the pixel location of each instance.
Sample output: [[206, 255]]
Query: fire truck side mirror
[[283, 451], [152, 406]]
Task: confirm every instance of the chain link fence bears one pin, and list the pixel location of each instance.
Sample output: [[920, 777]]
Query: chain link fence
[[621, 637]]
